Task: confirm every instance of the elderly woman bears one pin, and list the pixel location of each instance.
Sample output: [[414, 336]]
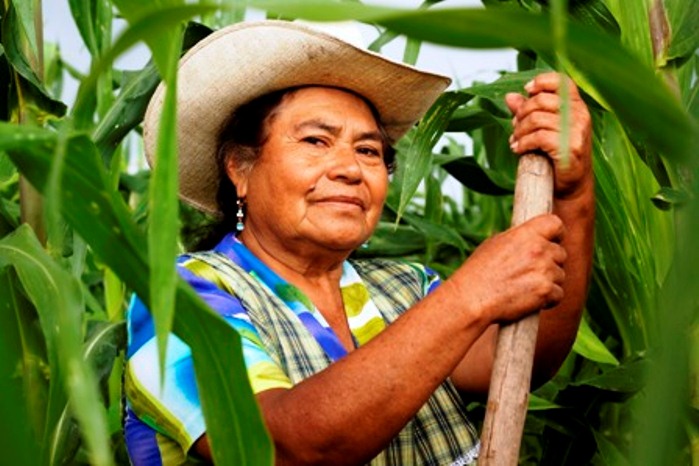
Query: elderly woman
[[287, 132]]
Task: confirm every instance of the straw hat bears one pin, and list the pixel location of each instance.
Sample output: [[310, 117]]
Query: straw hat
[[241, 62]]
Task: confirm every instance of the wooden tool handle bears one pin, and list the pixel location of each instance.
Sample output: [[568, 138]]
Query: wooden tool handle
[[514, 355]]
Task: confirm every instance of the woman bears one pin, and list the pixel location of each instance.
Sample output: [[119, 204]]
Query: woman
[[351, 362]]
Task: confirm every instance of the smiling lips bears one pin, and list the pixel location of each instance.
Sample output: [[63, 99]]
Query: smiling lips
[[349, 200]]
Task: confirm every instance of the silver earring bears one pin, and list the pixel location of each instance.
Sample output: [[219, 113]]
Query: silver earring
[[240, 226]]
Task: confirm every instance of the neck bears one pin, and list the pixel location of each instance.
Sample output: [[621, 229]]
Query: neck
[[299, 264]]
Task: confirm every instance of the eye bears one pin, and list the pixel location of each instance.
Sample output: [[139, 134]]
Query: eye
[[313, 140], [370, 151]]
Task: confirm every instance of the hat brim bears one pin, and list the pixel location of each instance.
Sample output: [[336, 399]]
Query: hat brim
[[236, 64]]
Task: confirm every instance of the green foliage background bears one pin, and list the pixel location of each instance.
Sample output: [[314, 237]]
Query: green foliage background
[[78, 233]]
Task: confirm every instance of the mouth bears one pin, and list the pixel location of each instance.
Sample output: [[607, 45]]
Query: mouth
[[343, 200]]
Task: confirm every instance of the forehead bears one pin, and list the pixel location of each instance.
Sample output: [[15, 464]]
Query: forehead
[[327, 102]]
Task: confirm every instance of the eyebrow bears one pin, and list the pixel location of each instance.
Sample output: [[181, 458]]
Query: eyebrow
[[335, 130]]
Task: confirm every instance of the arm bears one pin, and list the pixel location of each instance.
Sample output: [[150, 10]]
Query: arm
[[347, 413], [537, 126]]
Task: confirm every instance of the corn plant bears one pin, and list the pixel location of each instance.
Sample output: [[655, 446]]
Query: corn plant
[[78, 233]]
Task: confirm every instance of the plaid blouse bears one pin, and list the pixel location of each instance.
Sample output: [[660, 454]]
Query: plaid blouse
[[285, 340]]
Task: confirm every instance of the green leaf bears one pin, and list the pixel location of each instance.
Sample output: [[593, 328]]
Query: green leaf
[[608, 452], [25, 15], [628, 377], [631, 88], [100, 352], [684, 17], [97, 212], [24, 449], [477, 178], [84, 13], [589, 346], [154, 24], [130, 106], [11, 42], [537, 403], [54, 292], [419, 154], [164, 215]]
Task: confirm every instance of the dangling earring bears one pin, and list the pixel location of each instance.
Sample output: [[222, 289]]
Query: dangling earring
[[240, 226]]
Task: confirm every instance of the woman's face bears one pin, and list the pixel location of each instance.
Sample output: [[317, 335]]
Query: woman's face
[[320, 180]]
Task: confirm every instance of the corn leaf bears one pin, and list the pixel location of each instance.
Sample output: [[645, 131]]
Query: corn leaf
[[589, 346], [24, 450], [97, 212], [631, 88], [55, 292]]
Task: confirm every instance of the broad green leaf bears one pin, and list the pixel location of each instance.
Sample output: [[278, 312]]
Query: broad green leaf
[[628, 377], [24, 449], [589, 346], [237, 433], [163, 206], [54, 291], [10, 36], [25, 10], [684, 17]]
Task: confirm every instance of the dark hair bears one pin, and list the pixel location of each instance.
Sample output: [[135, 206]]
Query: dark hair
[[243, 138]]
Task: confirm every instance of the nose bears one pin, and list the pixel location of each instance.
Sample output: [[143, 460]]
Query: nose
[[344, 165]]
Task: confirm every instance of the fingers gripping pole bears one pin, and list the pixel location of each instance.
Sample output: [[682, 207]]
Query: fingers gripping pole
[[514, 354]]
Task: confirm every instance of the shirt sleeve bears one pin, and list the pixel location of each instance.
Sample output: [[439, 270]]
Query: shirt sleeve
[[174, 408]]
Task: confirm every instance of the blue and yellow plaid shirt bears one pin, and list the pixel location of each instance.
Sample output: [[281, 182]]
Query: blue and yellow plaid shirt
[[285, 340]]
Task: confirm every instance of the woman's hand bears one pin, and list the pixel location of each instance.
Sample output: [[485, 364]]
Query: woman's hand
[[516, 272], [537, 126]]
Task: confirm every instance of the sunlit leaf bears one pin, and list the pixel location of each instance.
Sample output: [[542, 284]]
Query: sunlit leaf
[[589, 346]]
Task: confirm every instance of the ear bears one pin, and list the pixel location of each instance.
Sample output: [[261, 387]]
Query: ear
[[238, 176]]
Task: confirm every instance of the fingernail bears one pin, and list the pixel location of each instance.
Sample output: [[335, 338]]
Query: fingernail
[[514, 145], [514, 121], [529, 86]]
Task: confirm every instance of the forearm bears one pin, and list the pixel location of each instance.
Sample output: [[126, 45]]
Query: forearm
[[558, 326], [349, 412]]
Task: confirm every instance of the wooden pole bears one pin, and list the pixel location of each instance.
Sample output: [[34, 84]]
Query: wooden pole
[[514, 354]]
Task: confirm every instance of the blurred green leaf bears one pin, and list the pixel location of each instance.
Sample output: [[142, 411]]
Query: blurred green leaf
[[54, 292], [84, 15], [24, 449], [100, 352], [608, 452]]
